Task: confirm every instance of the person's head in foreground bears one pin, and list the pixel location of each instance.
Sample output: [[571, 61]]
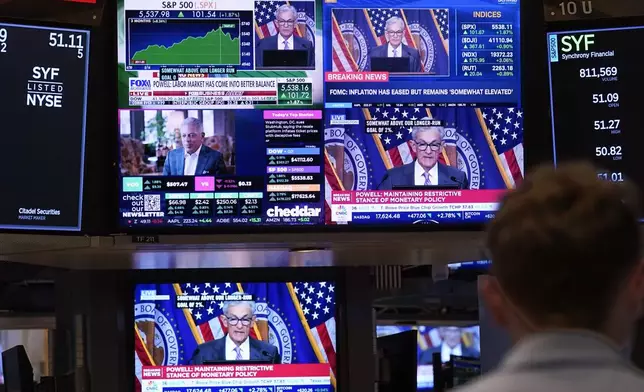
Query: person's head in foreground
[[239, 318], [565, 250]]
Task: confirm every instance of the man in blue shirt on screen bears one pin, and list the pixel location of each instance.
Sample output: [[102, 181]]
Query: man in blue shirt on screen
[[238, 318], [567, 284], [193, 159], [426, 170], [394, 32]]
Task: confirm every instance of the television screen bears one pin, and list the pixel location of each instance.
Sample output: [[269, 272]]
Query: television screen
[[317, 112], [447, 340], [235, 336], [595, 88], [44, 100], [431, 139]]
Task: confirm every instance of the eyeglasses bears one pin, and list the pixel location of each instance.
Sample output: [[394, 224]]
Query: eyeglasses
[[282, 22], [423, 146], [399, 32], [234, 321]]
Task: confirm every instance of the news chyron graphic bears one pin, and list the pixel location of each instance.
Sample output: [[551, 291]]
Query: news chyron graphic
[[596, 70], [447, 340], [44, 97], [218, 167], [434, 132], [242, 337], [449, 51], [231, 54]]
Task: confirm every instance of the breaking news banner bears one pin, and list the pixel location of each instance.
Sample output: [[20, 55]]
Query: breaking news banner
[[44, 74], [235, 335]]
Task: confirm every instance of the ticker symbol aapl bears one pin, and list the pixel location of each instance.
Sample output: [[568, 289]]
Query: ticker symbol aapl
[[43, 90]]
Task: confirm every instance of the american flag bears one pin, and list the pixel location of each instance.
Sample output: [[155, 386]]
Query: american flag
[[265, 18], [397, 142], [317, 301], [442, 19], [208, 320], [341, 56], [505, 126]]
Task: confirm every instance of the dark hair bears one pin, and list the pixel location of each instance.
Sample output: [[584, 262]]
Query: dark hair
[[563, 242]]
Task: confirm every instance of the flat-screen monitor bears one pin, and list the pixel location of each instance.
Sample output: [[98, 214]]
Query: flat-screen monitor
[[306, 113], [595, 92], [256, 336], [17, 369], [446, 340], [43, 104]]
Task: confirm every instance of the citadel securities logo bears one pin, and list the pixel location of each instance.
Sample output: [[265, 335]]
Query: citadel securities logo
[[158, 334], [45, 88], [297, 212]]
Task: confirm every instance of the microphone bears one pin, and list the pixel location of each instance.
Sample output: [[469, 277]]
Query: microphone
[[456, 180]]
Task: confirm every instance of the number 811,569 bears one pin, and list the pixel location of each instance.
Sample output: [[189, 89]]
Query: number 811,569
[[589, 73]]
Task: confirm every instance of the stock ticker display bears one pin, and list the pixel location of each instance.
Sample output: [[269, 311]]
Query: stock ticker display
[[317, 112], [45, 71], [595, 88]]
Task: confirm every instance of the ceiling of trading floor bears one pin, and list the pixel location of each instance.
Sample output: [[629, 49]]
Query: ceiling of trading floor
[[241, 251]]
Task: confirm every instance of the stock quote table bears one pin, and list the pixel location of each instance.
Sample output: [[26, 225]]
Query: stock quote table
[[238, 378], [596, 88]]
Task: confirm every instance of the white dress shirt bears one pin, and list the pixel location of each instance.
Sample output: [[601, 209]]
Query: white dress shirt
[[390, 51], [447, 352], [190, 163], [231, 353], [419, 174], [280, 43]]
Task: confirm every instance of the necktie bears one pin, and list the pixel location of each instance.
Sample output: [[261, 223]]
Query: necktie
[[427, 179], [238, 351], [395, 54], [286, 45]]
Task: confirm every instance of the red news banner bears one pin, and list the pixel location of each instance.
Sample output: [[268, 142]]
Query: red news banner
[[214, 372], [452, 197]]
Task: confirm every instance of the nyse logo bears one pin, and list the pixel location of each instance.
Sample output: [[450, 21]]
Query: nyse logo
[[577, 43], [140, 85], [45, 89], [306, 211]]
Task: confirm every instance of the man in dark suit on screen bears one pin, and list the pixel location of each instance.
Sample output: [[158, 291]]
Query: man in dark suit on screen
[[238, 318], [427, 144], [452, 344], [193, 159], [285, 20], [394, 31]]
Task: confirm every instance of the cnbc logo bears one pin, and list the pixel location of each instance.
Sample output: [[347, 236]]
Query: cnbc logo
[[132, 184]]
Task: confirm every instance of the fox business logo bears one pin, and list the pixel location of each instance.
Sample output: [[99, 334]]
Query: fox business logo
[[296, 212], [140, 85]]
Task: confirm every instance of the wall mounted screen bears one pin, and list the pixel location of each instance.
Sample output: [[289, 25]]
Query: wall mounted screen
[[241, 337], [447, 340], [43, 103], [595, 88], [317, 112]]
